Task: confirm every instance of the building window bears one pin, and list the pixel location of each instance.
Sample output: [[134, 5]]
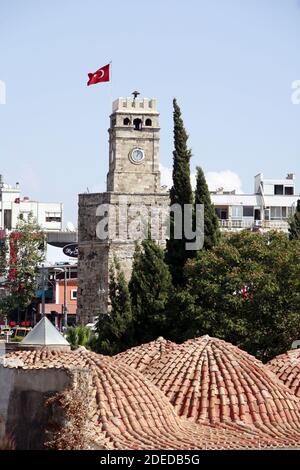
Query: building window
[[7, 219], [267, 213], [278, 189], [74, 294], [289, 190], [287, 212], [276, 213], [148, 122], [221, 213], [248, 211], [53, 217], [237, 212], [126, 122], [137, 124]]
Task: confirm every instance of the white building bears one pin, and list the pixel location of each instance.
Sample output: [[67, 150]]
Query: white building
[[12, 206], [270, 207]]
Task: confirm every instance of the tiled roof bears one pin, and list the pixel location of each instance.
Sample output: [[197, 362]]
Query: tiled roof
[[287, 368], [128, 412], [143, 356], [211, 381]]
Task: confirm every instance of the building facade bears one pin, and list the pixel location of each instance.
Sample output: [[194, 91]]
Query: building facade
[[133, 184], [60, 280], [269, 207], [13, 206]]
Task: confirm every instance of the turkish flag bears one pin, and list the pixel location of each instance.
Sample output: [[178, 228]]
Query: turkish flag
[[101, 75]]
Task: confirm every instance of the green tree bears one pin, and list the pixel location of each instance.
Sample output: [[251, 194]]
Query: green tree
[[4, 304], [114, 329], [294, 228], [149, 287], [27, 251], [79, 336], [211, 222], [181, 193], [245, 291], [3, 258]]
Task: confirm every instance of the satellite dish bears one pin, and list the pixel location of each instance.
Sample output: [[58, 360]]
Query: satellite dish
[[70, 227]]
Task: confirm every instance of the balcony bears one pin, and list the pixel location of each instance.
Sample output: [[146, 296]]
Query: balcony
[[243, 224], [58, 308]]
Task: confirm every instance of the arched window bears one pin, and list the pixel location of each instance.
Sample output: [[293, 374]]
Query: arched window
[[148, 122], [126, 122], [137, 124]]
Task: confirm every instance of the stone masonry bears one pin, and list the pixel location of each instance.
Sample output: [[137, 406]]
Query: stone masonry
[[133, 192]]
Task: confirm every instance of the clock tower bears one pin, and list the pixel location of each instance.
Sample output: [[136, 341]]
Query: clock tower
[[134, 147], [133, 187]]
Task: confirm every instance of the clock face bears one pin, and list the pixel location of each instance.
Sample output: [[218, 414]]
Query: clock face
[[137, 155]]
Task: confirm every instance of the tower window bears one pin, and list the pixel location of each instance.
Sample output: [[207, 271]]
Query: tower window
[[137, 124], [126, 122], [148, 122]]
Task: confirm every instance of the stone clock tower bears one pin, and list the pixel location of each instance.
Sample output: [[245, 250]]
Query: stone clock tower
[[134, 147], [133, 177]]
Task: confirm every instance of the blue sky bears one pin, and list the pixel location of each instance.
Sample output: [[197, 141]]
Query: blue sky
[[230, 64]]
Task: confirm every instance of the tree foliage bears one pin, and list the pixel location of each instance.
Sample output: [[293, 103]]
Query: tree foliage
[[79, 336], [26, 253], [3, 258], [211, 222], [294, 228], [114, 329], [181, 193], [246, 290], [150, 287]]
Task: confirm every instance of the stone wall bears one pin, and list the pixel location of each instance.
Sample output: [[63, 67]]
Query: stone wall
[[96, 255], [23, 395]]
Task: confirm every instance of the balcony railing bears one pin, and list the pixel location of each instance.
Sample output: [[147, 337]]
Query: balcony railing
[[231, 224]]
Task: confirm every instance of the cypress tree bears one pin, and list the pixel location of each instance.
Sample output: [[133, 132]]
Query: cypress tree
[[181, 193], [114, 329], [150, 286], [294, 228], [211, 223]]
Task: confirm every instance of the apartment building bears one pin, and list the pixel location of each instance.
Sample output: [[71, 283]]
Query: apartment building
[[269, 207], [12, 206]]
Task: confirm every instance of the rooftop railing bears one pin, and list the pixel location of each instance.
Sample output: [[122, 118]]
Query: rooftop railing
[[231, 224]]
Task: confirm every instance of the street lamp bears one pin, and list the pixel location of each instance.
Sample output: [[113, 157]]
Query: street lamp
[[65, 315]]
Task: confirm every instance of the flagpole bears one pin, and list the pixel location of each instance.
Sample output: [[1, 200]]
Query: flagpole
[[110, 87], [110, 71]]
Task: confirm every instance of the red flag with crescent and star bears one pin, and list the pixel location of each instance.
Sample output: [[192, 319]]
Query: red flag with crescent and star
[[101, 75]]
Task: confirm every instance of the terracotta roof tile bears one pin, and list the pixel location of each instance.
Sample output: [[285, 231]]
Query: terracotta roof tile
[[287, 368], [211, 381], [129, 412], [142, 356]]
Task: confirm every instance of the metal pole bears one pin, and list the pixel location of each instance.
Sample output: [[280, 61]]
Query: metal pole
[[43, 290], [65, 301]]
